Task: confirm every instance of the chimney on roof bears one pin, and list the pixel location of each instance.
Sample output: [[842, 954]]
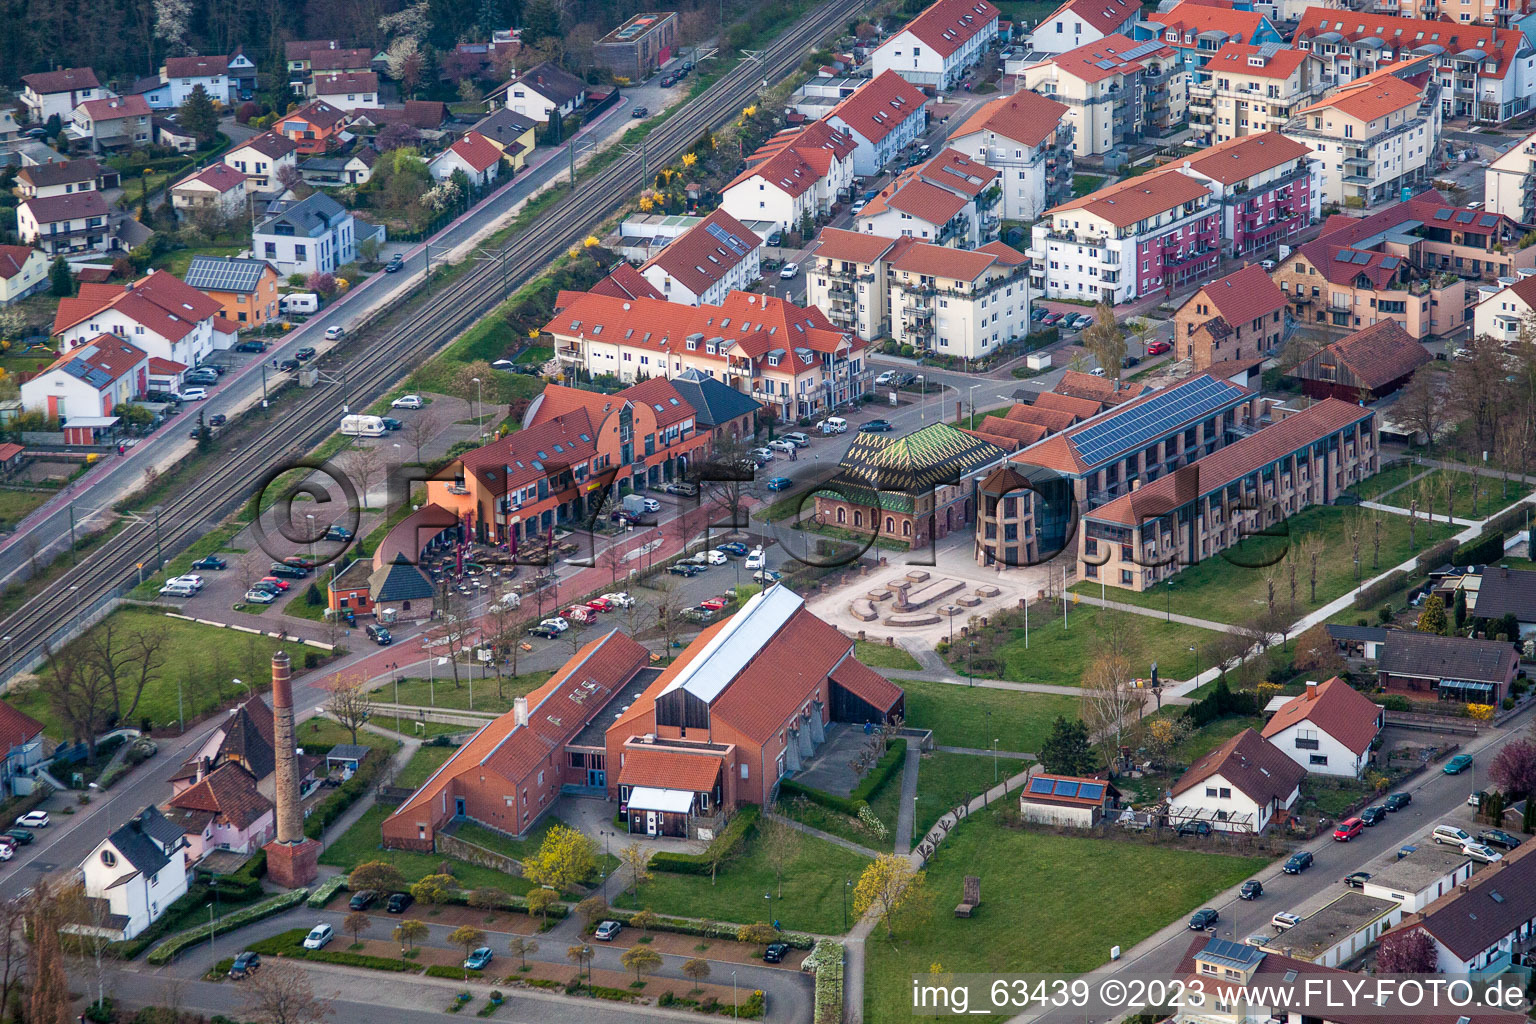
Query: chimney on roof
[[1311, 689], [520, 711]]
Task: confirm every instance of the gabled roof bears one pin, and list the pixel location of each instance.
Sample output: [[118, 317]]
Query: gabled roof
[[303, 49], [1505, 590], [669, 769], [1068, 790], [1125, 203], [269, 143], [13, 258], [116, 107], [75, 206], [714, 402], [1404, 35], [1100, 389], [1104, 15], [1105, 58], [657, 393], [1335, 708], [428, 115], [340, 60], [340, 83], [228, 791], [316, 112], [195, 67], [1427, 656], [795, 159], [17, 728], [854, 246], [1342, 264], [1252, 764], [226, 273], [1497, 902], [552, 82], [1243, 295], [1196, 17], [948, 24], [220, 177], [148, 841], [625, 282], [1377, 355], [161, 302], [1026, 117], [503, 127], [958, 264], [100, 362], [1370, 100], [703, 255], [477, 151], [878, 106], [61, 172], [1236, 160], [308, 216], [249, 738], [1273, 62], [62, 80]]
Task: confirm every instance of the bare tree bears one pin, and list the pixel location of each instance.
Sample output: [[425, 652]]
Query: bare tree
[[1310, 549], [349, 701], [1376, 527], [126, 659], [1423, 401], [251, 567], [501, 622], [80, 696], [1109, 700], [364, 464], [613, 560], [1427, 499], [724, 480], [281, 994], [13, 949], [421, 428], [668, 613], [92, 931], [633, 858], [48, 995], [451, 637], [1292, 577], [778, 844]]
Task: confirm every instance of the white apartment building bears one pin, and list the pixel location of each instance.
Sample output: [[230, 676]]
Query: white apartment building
[[1246, 89], [1504, 306], [849, 280], [880, 119], [949, 200], [939, 46], [60, 225], [1080, 22], [796, 176], [160, 314], [1509, 183], [958, 303], [315, 235], [1372, 137], [1117, 91], [262, 157], [700, 267], [1027, 140]]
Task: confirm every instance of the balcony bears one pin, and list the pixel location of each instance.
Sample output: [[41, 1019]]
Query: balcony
[[1201, 106], [568, 352], [916, 313]]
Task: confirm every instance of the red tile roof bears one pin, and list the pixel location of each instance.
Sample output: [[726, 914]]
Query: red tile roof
[[624, 282], [1405, 34], [196, 67], [76, 206], [559, 400], [1025, 117], [1100, 389], [228, 791], [107, 353], [1336, 708], [1252, 764], [340, 60], [1104, 15], [165, 367], [879, 105], [1236, 59], [316, 112], [219, 177], [17, 728], [950, 24], [1087, 62], [669, 769], [1324, 256], [477, 151], [853, 246], [116, 108], [698, 259], [1236, 160], [509, 463], [1369, 100], [162, 302], [942, 261], [1233, 462], [1243, 295], [1127, 202], [1378, 354], [13, 258], [62, 80], [346, 82], [1082, 408], [1199, 17], [955, 172], [269, 144], [1052, 420]]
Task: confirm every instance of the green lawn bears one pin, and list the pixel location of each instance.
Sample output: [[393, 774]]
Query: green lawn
[[1205, 740], [958, 715], [1230, 587], [204, 659], [14, 505], [812, 895], [944, 780], [177, 262], [881, 656], [845, 826], [539, 354], [1061, 655], [1491, 493], [522, 849], [422, 764], [1373, 487], [322, 734], [360, 843], [1075, 899], [1329, 797], [1082, 184], [440, 691]]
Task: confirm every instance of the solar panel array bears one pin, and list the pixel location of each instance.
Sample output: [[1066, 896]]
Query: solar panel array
[[1156, 416], [224, 275], [1066, 787], [727, 239], [1142, 49], [1464, 217], [95, 376], [1235, 952], [1390, 263], [1362, 258], [1443, 214], [1488, 220]]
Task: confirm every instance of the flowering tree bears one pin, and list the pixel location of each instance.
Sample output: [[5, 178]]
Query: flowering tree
[[1411, 952], [324, 283], [1514, 767]]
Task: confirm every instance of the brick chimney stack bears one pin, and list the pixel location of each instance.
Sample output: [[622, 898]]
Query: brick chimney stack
[[292, 860]]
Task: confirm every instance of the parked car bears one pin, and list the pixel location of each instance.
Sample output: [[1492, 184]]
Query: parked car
[[1458, 764], [1348, 829], [710, 557], [1037, 313], [1397, 801], [762, 455], [1482, 852], [1097, 371], [251, 346], [395, 263], [713, 604], [318, 936], [390, 423], [796, 438], [275, 584], [33, 819], [192, 394], [1052, 319], [1157, 348], [399, 902], [779, 483], [732, 547], [679, 487], [210, 562], [245, 964], [776, 952], [481, 958], [1297, 862], [1195, 828], [200, 377], [1373, 815], [379, 635], [1082, 320], [888, 377], [767, 576], [406, 402], [1251, 890], [876, 427], [541, 630], [288, 571], [1475, 798], [332, 333], [337, 533], [1357, 879], [255, 596], [289, 365], [607, 930], [1130, 361], [640, 112], [684, 569], [20, 836], [1498, 837], [619, 599], [668, 80], [1200, 920], [789, 271], [1285, 919], [756, 559], [624, 515], [778, 444], [650, 504], [363, 899]]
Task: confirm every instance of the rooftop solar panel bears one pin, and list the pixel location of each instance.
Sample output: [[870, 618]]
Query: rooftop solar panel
[[1487, 220], [1390, 263], [727, 239], [1158, 415], [1142, 49], [1226, 949], [1039, 785], [1362, 258], [1464, 217], [1065, 788], [1343, 256], [1442, 214], [1091, 792]]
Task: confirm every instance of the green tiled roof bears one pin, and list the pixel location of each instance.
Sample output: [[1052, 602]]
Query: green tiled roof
[[892, 472]]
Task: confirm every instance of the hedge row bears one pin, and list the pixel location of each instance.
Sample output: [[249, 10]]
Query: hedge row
[[167, 950], [450, 972], [326, 891], [1509, 520], [1486, 547], [1374, 593], [244, 884], [869, 785], [731, 841], [510, 901], [347, 794], [705, 929], [1436, 556], [826, 960]]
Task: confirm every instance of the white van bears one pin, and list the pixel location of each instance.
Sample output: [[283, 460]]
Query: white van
[[833, 425], [362, 426], [177, 588], [1284, 920], [299, 302], [1451, 835]]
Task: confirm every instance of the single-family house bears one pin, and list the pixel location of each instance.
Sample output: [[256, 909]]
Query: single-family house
[[120, 122], [136, 872], [261, 157], [338, 60], [314, 235], [543, 90], [23, 272], [217, 188], [1504, 591], [160, 314], [171, 135], [351, 168], [1241, 786], [60, 225], [1328, 730], [223, 811], [707, 262], [881, 118], [940, 46], [245, 289], [478, 157], [1454, 668], [510, 132], [184, 74], [314, 127], [63, 178], [156, 93], [1240, 316], [51, 94], [89, 381], [350, 90], [244, 737]]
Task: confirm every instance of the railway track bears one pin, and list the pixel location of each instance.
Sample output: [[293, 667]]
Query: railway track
[[381, 363]]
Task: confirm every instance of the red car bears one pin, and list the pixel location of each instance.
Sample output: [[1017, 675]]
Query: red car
[[1051, 318], [714, 604], [1348, 829], [280, 584], [1157, 348], [600, 604]]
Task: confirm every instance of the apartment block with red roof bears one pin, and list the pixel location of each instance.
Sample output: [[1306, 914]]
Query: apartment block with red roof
[[940, 46], [1482, 70], [704, 264], [787, 356], [1080, 22], [1246, 89], [849, 280], [160, 313], [1262, 184], [793, 178], [881, 118], [1150, 535], [961, 303], [1375, 136], [948, 200], [1027, 139], [1198, 30], [1237, 317], [1117, 91], [1152, 233]]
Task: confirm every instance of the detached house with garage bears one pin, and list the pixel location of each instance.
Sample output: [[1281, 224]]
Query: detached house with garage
[[90, 381], [160, 313], [1328, 730], [1424, 666], [134, 874], [121, 122], [1244, 785], [349, 90], [184, 74], [545, 90], [313, 127], [217, 188], [245, 289], [938, 47]]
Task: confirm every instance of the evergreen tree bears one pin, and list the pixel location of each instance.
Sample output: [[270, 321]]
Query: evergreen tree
[[1066, 750], [198, 115], [1432, 618], [1461, 610], [1528, 823], [61, 284]]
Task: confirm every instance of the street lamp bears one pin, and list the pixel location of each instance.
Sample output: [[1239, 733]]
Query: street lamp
[[973, 405], [311, 535], [994, 760], [847, 884], [735, 1004], [479, 407], [1195, 650], [1168, 602]]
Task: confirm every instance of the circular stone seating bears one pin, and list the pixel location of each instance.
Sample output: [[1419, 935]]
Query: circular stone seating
[[912, 619], [863, 609]]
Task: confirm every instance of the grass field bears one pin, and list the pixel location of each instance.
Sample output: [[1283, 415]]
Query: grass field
[[945, 780], [522, 849], [880, 656], [1077, 898], [1230, 587], [1458, 485], [1061, 655], [1375, 486], [966, 716], [441, 693], [360, 843], [14, 505], [812, 897], [422, 764], [204, 659]]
